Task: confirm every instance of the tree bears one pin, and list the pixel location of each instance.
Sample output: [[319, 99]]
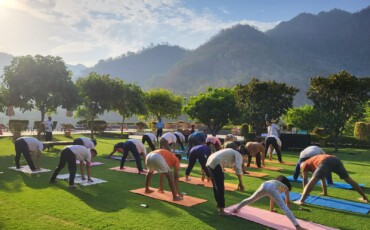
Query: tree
[[129, 100], [214, 108], [336, 99], [38, 82], [163, 103], [96, 92], [304, 117], [258, 99]]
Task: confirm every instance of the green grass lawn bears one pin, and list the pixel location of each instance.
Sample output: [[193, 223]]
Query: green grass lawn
[[30, 202]]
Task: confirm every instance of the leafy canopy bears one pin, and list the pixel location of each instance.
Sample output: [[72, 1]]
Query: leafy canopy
[[337, 97], [38, 82], [257, 98], [163, 103], [304, 117], [214, 108]]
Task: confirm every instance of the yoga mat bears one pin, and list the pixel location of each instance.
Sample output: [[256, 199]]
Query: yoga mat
[[272, 219], [250, 173], [95, 163], [26, 169], [271, 168], [277, 162], [188, 201], [129, 170], [339, 204], [78, 180], [120, 157], [335, 184], [1, 172], [183, 165], [184, 158], [198, 181]]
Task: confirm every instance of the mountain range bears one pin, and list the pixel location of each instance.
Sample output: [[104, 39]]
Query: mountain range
[[294, 51]]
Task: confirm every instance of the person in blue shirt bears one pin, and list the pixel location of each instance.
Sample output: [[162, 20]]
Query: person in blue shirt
[[160, 126]]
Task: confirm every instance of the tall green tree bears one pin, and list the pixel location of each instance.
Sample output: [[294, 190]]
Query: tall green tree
[[260, 98], [336, 99], [128, 100], [304, 117], [96, 92], [163, 103], [214, 108], [38, 82]]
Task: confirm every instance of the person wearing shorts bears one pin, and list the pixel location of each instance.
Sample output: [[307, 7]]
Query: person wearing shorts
[[321, 165], [161, 160]]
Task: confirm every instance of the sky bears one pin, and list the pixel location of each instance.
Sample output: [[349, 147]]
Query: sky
[[86, 31]]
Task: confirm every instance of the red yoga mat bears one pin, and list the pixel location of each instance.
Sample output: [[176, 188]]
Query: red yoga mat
[[251, 174]]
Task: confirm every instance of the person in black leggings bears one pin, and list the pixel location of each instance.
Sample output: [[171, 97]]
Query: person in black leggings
[[200, 153], [271, 140]]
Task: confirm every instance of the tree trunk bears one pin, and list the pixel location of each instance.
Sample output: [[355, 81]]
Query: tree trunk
[[123, 120], [40, 126], [336, 140], [92, 128]]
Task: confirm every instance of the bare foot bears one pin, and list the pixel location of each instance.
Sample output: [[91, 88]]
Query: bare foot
[[223, 213], [160, 191], [143, 172], [177, 198], [363, 200], [188, 179], [323, 194], [148, 191]]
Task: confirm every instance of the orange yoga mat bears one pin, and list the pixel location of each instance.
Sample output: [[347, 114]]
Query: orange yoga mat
[[198, 181], [272, 219], [250, 173], [188, 201], [277, 162], [128, 170], [271, 168]]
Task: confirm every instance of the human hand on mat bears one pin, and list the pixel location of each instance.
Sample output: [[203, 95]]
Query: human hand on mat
[[235, 210], [299, 202]]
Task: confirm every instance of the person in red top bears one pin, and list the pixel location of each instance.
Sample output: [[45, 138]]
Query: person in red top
[[321, 165], [161, 160]]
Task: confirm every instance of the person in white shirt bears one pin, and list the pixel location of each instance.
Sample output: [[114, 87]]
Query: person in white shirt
[[135, 147], [48, 129], [168, 139], [272, 129], [87, 142], [29, 147], [151, 139], [215, 164], [69, 155], [274, 143]]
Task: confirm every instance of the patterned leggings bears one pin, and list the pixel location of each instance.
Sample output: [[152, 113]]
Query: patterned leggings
[[269, 189]]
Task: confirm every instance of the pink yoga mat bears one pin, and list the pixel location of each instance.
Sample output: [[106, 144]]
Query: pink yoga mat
[[273, 220]]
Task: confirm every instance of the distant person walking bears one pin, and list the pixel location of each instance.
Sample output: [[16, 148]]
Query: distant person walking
[[160, 126], [48, 129]]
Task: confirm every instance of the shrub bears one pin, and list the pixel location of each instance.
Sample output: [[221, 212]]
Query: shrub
[[17, 126], [99, 126], [362, 131]]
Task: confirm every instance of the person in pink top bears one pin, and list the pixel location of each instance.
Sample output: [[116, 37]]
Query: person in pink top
[[211, 140]]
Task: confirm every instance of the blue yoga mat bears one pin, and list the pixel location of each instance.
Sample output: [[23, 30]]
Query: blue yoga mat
[[335, 185], [333, 203]]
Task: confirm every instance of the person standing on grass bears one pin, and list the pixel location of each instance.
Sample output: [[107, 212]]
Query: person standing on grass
[[211, 140], [215, 164], [200, 153], [151, 139], [160, 126], [273, 189], [48, 129], [306, 154], [31, 148], [87, 142], [69, 155], [272, 129], [321, 165], [135, 147], [275, 142], [161, 160]]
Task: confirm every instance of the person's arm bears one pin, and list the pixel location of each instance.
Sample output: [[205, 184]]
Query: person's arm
[[240, 186], [38, 159], [324, 188], [88, 169], [287, 198], [82, 170], [176, 180], [304, 177], [271, 204], [114, 150]]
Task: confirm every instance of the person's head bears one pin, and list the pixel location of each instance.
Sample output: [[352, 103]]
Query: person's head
[[94, 141], [159, 119], [284, 180], [243, 150], [192, 126], [44, 146], [178, 156], [49, 118], [118, 148], [93, 152]]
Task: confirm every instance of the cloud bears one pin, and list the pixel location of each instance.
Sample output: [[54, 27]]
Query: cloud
[[71, 29]]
